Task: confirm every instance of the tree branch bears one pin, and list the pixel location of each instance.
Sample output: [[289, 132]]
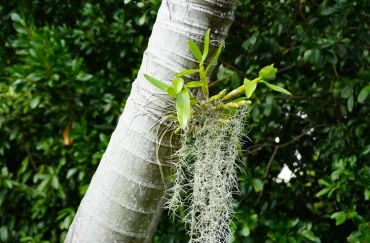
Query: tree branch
[[304, 18]]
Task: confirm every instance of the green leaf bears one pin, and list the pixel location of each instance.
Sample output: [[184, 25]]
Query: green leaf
[[276, 88], [214, 59], [250, 87], [183, 108], [35, 102], [367, 194], [195, 50], [16, 18], [323, 192], [363, 94], [159, 84], [142, 19], [177, 84], [350, 102], [55, 182], [71, 172], [340, 217], [309, 235], [257, 185], [194, 84], [245, 231], [186, 72], [268, 72], [206, 45], [346, 92], [328, 11], [331, 57], [366, 150], [171, 92], [193, 102], [34, 76]]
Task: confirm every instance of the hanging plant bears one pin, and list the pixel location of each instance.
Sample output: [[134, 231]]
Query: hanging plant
[[210, 132]]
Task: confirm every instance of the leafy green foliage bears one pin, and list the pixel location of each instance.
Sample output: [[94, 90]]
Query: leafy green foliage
[[178, 84], [63, 85], [321, 51], [320, 48]]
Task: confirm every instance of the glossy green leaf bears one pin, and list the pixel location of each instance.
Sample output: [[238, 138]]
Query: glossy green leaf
[[363, 94], [183, 108], [186, 72], [276, 88], [177, 84], [214, 59], [250, 87], [340, 217], [268, 72], [194, 84], [35, 102], [206, 45], [159, 84], [195, 50]]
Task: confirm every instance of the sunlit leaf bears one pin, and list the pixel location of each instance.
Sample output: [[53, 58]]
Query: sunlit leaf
[[159, 84], [186, 72], [268, 72], [183, 108], [35, 102], [363, 94], [195, 50], [276, 88], [206, 45], [177, 84], [249, 87], [214, 59], [194, 84], [340, 217], [171, 92]]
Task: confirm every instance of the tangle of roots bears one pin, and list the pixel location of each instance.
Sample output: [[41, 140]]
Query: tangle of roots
[[206, 174]]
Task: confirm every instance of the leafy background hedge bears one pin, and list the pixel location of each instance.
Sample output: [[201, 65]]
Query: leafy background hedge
[[66, 69]]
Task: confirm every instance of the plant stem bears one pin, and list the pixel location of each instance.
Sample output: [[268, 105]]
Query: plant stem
[[203, 80]]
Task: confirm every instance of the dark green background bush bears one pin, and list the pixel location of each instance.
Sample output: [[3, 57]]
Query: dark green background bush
[[66, 69]]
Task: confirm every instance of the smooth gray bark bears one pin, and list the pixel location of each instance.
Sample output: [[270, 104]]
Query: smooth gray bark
[[127, 186]]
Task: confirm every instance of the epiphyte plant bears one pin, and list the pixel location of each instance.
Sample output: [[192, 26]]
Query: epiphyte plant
[[205, 169], [185, 99]]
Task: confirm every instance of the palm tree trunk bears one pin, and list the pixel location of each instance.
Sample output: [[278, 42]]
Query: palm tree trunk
[[127, 186]]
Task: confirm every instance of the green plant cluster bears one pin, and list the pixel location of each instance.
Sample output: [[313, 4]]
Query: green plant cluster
[[186, 99], [66, 69], [321, 49], [79, 80]]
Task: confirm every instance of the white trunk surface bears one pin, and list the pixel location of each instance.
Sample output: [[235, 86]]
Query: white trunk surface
[[122, 198]]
